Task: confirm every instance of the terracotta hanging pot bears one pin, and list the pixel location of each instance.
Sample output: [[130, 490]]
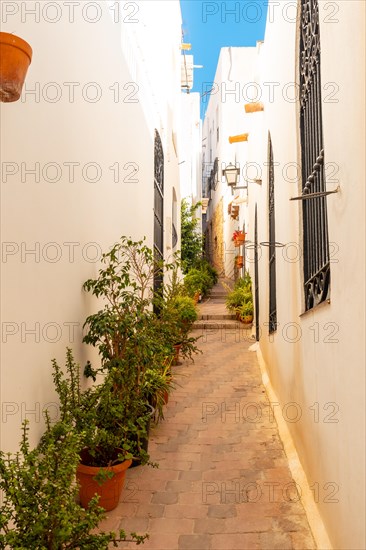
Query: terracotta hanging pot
[[110, 489], [15, 58], [239, 261]]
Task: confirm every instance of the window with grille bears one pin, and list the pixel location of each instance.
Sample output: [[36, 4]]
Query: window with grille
[[272, 242], [314, 208]]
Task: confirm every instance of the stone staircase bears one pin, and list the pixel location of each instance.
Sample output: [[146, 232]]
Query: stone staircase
[[213, 313]]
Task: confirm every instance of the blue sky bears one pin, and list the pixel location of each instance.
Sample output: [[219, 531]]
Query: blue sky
[[211, 25]]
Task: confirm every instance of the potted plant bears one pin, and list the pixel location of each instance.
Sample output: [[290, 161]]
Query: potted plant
[[15, 58], [127, 332], [103, 421], [39, 507], [238, 237], [241, 296], [246, 312], [239, 261], [197, 281], [237, 298], [176, 317]]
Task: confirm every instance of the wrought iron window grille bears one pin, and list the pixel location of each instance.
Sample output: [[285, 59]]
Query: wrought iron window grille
[[316, 259]]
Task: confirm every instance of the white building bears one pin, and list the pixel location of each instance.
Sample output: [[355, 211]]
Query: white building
[[309, 269], [190, 148], [224, 120], [101, 99]]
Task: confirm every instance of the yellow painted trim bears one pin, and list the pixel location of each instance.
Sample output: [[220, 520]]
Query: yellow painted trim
[[314, 518], [236, 139], [254, 107], [185, 47]]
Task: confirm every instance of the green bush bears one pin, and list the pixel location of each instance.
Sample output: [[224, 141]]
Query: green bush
[[185, 309], [246, 310], [238, 298], [191, 238], [197, 281], [39, 508], [205, 266]]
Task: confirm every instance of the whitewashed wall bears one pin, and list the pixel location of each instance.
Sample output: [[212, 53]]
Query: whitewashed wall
[[101, 85], [234, 75], [315, 361]]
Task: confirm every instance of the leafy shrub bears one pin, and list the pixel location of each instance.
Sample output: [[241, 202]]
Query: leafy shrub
[[204, 265], [39, 508], [191, 238], [238, 298], [197, 281], [185, 309]]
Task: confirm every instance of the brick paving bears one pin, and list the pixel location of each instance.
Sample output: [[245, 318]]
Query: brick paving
[[223, 481]]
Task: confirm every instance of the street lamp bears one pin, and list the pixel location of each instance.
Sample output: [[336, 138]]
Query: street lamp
[[231, 174]]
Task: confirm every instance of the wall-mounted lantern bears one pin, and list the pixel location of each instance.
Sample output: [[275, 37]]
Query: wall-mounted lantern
[[15, 58], [231, 174]]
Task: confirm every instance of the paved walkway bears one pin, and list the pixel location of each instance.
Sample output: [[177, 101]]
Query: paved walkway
[[223, 481]]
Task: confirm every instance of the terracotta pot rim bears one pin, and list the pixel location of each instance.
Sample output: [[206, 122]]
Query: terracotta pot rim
[[17, 42], [93, 470]]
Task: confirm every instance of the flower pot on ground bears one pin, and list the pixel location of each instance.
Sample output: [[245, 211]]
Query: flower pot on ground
[[166, 397], [15, 58], [239, 300], [247, 319], [106, 482], [128, 333], [177, 315], [200, 279], [39, 505], [104, 419], [246, 312], [177, 348]]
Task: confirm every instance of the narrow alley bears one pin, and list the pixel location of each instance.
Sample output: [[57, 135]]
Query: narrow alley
[[223, 481]]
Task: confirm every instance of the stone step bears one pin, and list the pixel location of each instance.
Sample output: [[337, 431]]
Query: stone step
[[216, 317], [220, 324], [214, 325]]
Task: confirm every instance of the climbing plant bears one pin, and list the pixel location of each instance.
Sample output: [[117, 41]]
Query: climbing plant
[[192, 239]]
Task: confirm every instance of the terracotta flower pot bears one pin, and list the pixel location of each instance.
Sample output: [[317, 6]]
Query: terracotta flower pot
[[15, 58], [109, 491], [246, 319], [176, 356], [239, 261], [166, 397]]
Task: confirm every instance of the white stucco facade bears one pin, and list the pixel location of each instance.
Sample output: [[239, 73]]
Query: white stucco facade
[[190, 147], [314, 361], [77, 160], [225, 118]]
